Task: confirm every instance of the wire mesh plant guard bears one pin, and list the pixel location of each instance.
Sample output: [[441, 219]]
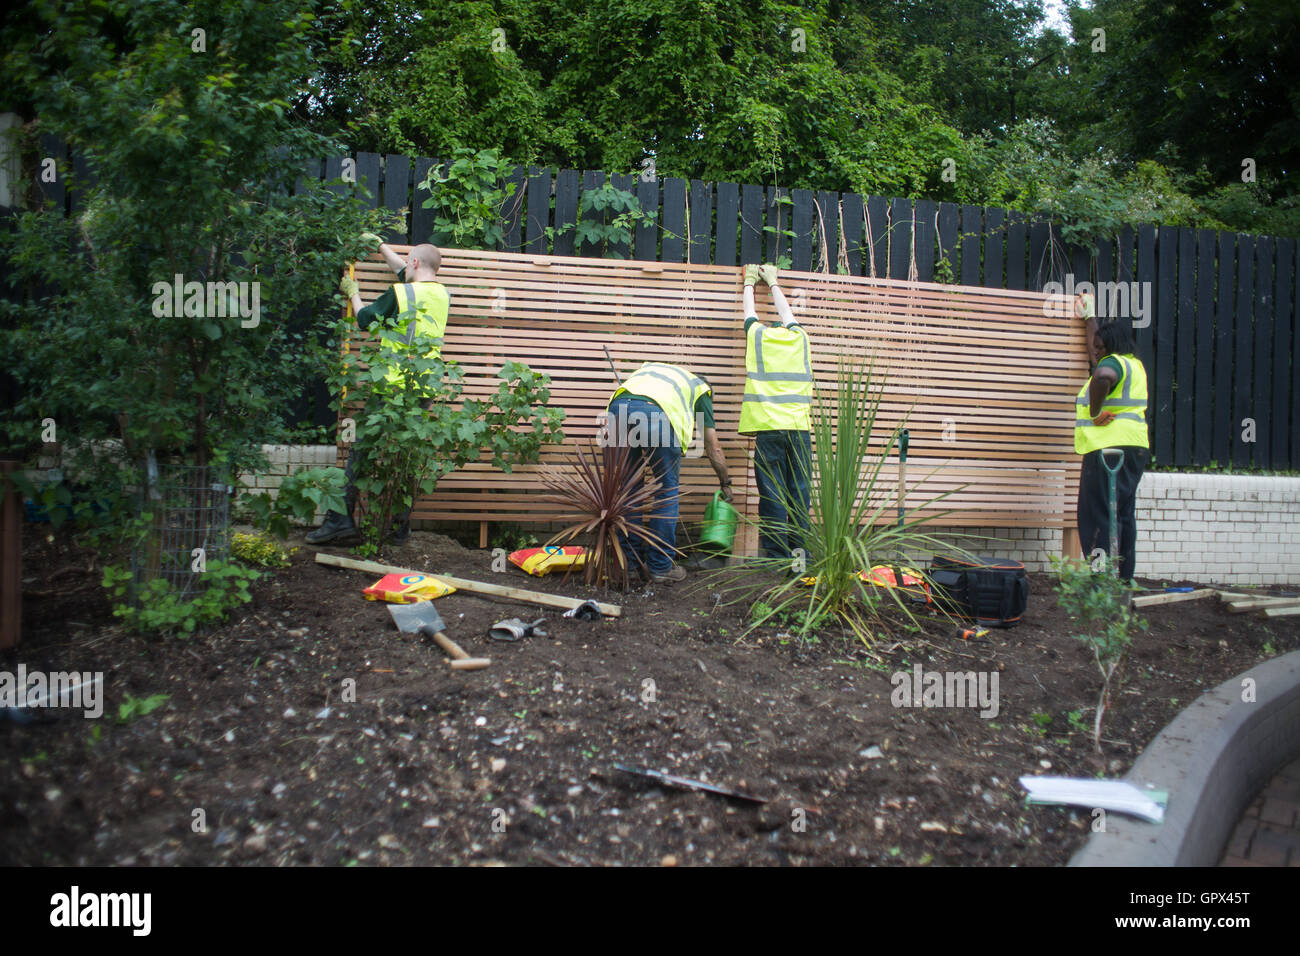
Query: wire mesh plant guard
[[186, 510]]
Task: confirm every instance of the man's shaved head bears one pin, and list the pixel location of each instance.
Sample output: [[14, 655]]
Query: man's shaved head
[[428, 255]]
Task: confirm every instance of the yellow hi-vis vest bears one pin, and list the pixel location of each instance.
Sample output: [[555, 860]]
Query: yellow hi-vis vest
[[673, 389], [1128, 400], [778, 382], [421, 309]]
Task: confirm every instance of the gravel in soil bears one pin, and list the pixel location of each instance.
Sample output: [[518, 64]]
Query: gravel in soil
[[307, 730]]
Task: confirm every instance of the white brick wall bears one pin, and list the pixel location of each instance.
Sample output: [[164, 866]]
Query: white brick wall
[[1212, 529], [285, 460]]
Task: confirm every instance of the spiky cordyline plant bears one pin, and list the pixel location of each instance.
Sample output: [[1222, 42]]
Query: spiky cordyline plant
[[848, 528], [602, 490]]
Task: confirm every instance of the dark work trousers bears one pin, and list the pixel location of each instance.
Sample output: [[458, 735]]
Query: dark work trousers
[[648, 435], [782, 466], [1094, 506]]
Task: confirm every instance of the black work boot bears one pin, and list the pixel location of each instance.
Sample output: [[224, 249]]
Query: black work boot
[[401, 531], [336, 526]]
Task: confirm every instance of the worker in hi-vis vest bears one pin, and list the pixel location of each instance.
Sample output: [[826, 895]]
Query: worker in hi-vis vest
[[654, 414], [415, 305], [1110, 412], [776, 411]]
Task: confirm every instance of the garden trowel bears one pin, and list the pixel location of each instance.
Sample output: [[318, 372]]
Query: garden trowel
[[423, 618]]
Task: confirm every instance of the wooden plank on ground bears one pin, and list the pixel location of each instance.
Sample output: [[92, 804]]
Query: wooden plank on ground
[[464, 584], [1151, 600]]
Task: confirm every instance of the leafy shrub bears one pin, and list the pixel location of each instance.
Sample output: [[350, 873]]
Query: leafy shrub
[[418, 432], [467, 196], [163, 611], [298, 498], [260, 550], [606, 218], [1099, 603]]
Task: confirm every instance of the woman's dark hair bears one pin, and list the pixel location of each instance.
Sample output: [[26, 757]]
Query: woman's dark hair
[[1116, 337]]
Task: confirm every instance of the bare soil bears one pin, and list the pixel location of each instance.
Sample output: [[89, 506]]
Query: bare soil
[[261, 743]]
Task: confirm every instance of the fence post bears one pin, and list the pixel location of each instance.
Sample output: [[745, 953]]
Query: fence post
[[11, 557]]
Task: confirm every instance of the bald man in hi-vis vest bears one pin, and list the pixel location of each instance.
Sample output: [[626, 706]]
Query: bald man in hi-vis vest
[[415, 304], [777, 411]]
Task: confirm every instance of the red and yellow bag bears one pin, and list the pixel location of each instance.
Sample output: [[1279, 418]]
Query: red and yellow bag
[[407, 589], [540, 561]]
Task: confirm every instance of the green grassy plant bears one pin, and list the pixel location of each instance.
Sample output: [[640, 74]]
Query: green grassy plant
[[849, 529]]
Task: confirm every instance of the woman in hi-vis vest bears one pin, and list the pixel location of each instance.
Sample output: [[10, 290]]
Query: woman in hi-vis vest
[[1110, 412]]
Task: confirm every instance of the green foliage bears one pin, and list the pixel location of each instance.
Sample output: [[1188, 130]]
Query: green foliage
[[468, 197], [1075, 719], [135, 707], [865, 97], [419, 430], [299, 497], [260, 550], [163, 611], [1042, 721], [1099, 604], [606, 218], [193, 156], [783, 235], [796, 618], [849, 529], [511, 537]]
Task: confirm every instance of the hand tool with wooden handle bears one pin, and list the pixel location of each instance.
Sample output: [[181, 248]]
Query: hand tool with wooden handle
[[423, 618]]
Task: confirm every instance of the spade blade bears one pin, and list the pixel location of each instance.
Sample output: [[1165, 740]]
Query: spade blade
[[409, 618]]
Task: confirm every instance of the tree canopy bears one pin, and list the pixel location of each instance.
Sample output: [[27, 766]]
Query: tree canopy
[[1154, 115], [1127, 107]]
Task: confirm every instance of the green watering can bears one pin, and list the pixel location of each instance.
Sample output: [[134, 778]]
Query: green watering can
[[719, 529]]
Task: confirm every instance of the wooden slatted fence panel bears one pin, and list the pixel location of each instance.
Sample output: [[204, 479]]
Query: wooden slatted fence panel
[[986, 377]]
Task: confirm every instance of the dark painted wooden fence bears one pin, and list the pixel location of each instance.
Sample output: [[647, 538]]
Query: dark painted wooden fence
[[1214, 313]]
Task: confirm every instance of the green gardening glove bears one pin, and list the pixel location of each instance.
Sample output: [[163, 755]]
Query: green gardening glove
[[751, 274], [349, 287], [372, 239], [768, 272], [1084, 307]]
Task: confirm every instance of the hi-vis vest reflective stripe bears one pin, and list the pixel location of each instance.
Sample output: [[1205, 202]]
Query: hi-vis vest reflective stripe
[[673, 389], [779, 383], [421, 309], [1128, 400]]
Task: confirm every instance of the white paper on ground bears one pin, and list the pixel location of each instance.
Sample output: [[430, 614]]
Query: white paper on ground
[[1113, 795]]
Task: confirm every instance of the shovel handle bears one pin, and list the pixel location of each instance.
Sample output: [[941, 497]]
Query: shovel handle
[[451, 647], [470, 663], [446, 643]]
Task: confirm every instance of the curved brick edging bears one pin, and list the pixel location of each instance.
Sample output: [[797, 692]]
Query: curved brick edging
[[1212, 758]]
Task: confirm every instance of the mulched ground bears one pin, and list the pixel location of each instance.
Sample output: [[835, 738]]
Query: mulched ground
[[515, 763]]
